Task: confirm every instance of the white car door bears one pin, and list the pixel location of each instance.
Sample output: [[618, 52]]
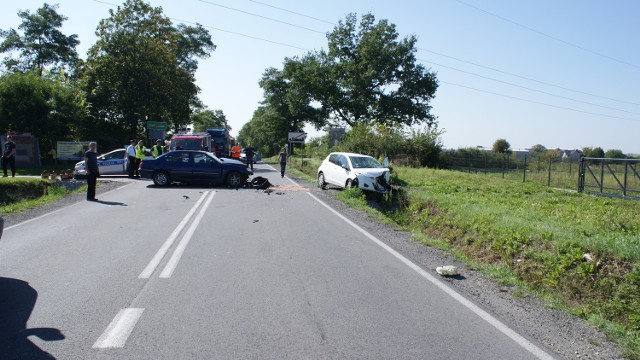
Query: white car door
[[112, 163], [331, 169]]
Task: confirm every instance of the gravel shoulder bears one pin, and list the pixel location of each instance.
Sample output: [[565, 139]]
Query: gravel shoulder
[[568, 336]]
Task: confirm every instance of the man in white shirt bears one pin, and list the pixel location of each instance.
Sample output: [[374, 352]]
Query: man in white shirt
[[131, 157]]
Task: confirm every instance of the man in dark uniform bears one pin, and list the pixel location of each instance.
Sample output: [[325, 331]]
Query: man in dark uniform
[[93, 172], [249, 152], [9, 156]]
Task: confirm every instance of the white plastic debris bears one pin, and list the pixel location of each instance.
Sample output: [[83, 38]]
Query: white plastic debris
[[448, 270]]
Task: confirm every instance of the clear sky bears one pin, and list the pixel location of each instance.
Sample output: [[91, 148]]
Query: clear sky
[[564, 74]]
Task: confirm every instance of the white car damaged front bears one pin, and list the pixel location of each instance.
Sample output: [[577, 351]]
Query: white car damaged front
[[373, 180]]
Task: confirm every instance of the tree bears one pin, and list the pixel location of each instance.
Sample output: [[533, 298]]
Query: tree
[[614, 154], [142, 68], [48, 107], [207, 119], [41, 44], [290, 102], [595, 152], [501, 146], [367, 76], [264, 131], [538, 150]]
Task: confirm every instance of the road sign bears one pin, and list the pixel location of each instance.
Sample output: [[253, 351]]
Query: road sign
[[297, 137], [156, 125]]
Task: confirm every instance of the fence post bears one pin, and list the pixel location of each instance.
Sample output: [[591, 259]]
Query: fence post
[[624, 188], [601, 175], [549, 173], [581, 175], [524, 171]]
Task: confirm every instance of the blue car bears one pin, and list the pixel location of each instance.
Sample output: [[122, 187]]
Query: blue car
[[194, 166]]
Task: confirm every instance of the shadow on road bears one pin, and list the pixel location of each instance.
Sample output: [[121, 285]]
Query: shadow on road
[[111, 203], [17, 300]]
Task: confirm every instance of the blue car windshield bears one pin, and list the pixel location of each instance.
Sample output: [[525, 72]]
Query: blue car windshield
[[364, 162]]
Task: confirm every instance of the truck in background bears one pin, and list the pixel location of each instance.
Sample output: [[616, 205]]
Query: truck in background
[[220, 142], [199, 141]]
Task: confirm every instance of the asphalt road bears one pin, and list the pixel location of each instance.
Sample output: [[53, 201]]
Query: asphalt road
[[215, 273]]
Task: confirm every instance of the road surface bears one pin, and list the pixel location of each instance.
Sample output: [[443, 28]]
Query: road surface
[[214, 273]]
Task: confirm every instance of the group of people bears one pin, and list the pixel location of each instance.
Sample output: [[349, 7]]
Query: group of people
[[137, 152]]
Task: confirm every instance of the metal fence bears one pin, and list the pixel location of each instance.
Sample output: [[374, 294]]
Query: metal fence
[[600, 176], [551, 171], [610, 177]]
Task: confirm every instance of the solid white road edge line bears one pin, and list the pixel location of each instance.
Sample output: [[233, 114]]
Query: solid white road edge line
[[118, 331], [519, 339], [157, 258], [177, 254], [55, 211]]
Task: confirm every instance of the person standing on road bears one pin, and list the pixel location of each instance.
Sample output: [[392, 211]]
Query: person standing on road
[[9, 156], [157, 149], [93, 171], [131, 158], [140, 154], [282, 158], [248, 151]]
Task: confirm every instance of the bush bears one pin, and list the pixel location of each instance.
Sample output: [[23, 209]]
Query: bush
[[16, 190]]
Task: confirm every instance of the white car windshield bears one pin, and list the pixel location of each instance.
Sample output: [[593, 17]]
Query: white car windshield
[[364, 162]]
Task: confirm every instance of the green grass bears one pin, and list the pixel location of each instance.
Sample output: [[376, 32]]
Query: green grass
[[53, 194], [532, 236]]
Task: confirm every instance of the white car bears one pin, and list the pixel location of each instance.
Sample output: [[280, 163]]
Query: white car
[[111, 163], [348, 170]]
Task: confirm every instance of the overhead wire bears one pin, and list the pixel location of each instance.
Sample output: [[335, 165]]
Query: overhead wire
[[261, 16], [528, 88], [437, 64], [530, 79], [549, 36], [539, 102]]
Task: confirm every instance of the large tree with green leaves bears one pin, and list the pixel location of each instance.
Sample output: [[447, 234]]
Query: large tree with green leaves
[[501, 146], [290, 103], [41, 44], [142, 68], [368, 76], [47, 106], [204, 119]]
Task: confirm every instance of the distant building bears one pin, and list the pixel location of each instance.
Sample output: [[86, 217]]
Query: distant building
[[573, 155]]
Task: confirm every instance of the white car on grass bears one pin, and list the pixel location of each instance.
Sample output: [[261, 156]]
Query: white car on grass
[[347, 170], [111, 163]]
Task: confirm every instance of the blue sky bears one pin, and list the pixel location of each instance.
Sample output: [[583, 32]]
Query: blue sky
[[564, 74]]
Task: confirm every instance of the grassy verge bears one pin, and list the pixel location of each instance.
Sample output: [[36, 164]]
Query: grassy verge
[[31, 186], [579, 252]]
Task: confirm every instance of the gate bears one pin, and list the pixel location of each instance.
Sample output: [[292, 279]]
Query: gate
[[610, 177]]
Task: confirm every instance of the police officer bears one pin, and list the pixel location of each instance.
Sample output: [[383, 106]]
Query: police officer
[[157, 149], [140, 154]]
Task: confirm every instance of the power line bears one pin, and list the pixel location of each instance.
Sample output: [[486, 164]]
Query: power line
[[239, 34], [486, 67], [293, 12], [538, 102], [444, 82], [549, 36], [530, 79], [263, 17], [530, 89]]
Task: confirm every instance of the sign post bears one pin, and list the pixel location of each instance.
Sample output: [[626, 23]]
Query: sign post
[[298, 137], [156, 130]]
